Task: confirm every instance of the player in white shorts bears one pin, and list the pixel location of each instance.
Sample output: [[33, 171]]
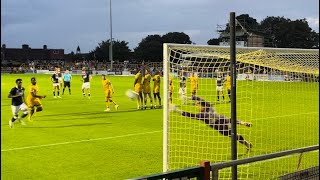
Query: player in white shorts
[[56, 84], [86, 83]]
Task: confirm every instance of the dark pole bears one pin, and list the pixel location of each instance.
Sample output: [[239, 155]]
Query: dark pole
[[110, 47], [233, 75]]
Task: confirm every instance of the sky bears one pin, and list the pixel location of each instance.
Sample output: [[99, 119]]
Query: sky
[[66, 24]]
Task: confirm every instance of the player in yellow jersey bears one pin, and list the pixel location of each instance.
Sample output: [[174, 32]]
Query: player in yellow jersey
[[170, 88], [108, 92], [194, 83], [147, 89], [33, 99], [228, 85], [156, 88], [138, 89]]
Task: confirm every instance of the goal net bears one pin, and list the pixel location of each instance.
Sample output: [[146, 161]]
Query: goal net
[[277, 92]]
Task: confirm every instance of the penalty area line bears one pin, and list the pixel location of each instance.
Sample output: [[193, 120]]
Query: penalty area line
[[80, 141]]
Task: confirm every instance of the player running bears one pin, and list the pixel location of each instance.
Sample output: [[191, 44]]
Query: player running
[[214, 120], [108, 92], [156, 89], [33, 99], [17, 103], [146, 89], [138, 89]]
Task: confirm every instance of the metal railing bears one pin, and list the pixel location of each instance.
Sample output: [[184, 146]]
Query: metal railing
[[202, 172]]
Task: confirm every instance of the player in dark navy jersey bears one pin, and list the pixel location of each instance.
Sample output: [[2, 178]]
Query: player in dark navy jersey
[[220, 81], [183, 86], [214, 120], [86, 83], [17, 103], [56, 84]]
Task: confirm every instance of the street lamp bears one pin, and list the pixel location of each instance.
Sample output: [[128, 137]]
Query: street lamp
[[110, 47]]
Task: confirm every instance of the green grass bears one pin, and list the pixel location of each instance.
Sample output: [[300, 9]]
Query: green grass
[[74, 138]]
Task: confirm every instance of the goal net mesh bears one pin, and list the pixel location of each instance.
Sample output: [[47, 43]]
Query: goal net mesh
[[277, 91]]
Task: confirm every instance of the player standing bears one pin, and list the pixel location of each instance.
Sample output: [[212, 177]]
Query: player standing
[[33, 99], [17, 103], [220, 81], [56, 84], [228, 85], [170, 88], [86, 83], [138, 89], [108, 92], [67, 81], [194, 83], [60, 76], [183, 88], [156, 89], [146, 89]]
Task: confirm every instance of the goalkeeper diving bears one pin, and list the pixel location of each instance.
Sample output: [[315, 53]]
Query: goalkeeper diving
[[214, 120]]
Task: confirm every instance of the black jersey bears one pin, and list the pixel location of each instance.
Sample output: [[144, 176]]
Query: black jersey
[[59, 75], [182, 81], [85, 77], [17, 101], [219, 81], [55, 78]]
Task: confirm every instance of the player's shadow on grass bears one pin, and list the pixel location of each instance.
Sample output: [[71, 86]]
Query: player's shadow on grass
[[66, 126]]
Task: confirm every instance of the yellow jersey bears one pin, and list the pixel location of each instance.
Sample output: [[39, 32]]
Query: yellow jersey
[[138, 81], [228, 82], [156, 84], [106, 84], [146, 83], [33, 101], [194, 82], [170, 84]]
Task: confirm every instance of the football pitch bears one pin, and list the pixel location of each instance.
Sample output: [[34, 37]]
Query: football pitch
[[74, 138]]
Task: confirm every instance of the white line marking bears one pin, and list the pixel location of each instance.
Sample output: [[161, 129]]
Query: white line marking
[[272, 117], [73, 142]]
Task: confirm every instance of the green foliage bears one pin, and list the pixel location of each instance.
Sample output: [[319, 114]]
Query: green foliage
[[120, 49], [290, 34], [151, 47], [279, 32], [213, 41]]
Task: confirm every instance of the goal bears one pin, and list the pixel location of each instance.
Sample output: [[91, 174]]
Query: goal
[[277, 91]]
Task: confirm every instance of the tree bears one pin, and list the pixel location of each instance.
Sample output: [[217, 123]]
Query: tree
[[150, 48], [213, 41], [176, 37], [289, 34], [120, 51]]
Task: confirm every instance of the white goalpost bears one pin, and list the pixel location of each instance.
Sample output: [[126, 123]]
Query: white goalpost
[[277, 93]]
